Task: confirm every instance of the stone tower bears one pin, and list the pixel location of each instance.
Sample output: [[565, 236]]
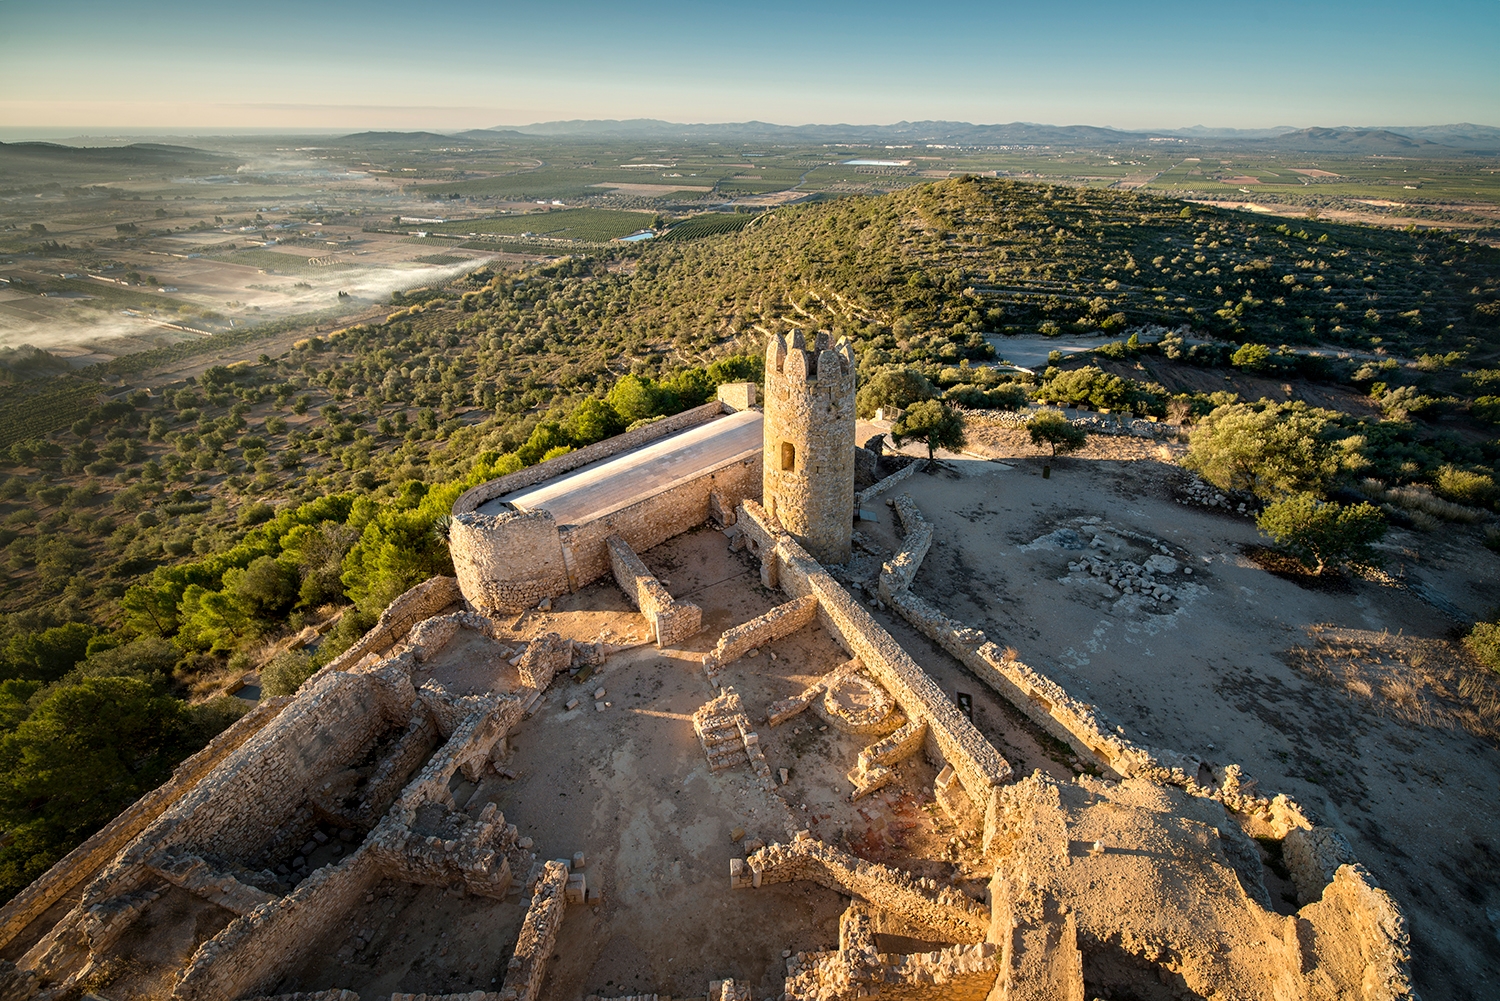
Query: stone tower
[[808, 466]]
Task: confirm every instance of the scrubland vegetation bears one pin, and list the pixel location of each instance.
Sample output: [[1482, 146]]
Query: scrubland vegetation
[[155, 544]]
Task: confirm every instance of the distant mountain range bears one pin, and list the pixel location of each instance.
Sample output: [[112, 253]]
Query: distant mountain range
[[1425, 139]]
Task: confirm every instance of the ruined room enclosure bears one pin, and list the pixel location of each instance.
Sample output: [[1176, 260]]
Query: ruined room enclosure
[[367, 783], [625, 776]]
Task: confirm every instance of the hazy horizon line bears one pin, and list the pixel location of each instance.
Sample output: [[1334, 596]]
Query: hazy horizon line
[[23, 133]]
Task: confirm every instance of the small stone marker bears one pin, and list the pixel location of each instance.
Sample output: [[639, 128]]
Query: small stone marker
[[784, 776], [736, 834], [571, 704], [598, 707], [598, 693]]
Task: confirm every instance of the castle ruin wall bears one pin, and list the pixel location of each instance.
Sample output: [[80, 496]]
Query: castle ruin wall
[[895, 479], [262, 784], [944, 911], [509, 561], [512, 561], [901, 569], [528, 965], [420, 602], [737, 396], [384, 783], [650, 522], [779, 622], [671, 620], [257, 950], [980, 767]]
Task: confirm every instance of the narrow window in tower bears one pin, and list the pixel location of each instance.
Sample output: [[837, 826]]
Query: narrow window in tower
[[788, 456]]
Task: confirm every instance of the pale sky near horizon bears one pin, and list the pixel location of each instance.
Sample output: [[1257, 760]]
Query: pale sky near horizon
[[172, 65]]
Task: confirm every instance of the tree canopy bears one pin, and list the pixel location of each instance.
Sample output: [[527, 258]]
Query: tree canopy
[[1323, 535], [932, 422], [1274, 449], [1048, 427]]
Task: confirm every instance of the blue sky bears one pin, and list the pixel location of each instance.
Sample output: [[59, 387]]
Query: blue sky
[[447, 66]]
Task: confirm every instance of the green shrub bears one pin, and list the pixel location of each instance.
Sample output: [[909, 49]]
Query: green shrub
[[1483, 642], [285, 673], [1091, 386], [635, 398], [1273, 449], [1007, 397], [1323, 535], [1465, 487]]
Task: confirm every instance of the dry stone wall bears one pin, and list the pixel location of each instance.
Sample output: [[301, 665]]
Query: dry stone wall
[[779, 622], [528, 966], [957, 973], [662, 516], [980, 767], [196, 876], [672, 621], [449, 850], [543, 657], [895, 479], [857, 968], [873, 769], [901, 569], [253, 952], [421, 602], [374, 793], [257, 789], [946, 912]]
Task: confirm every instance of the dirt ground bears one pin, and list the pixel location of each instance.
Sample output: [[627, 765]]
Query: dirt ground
[[1352, 698]]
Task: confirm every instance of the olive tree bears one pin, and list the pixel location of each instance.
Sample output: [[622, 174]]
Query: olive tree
[[1051, 428], [932, 422], [1323, 535]]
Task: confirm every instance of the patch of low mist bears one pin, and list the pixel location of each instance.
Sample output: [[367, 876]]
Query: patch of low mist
[[87, 334], [364, 285], [81, 332]]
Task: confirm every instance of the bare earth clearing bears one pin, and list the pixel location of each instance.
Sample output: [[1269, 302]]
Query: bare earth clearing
[[1347, 698]]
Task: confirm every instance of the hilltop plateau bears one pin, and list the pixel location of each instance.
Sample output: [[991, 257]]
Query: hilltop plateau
[[236, 507]]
